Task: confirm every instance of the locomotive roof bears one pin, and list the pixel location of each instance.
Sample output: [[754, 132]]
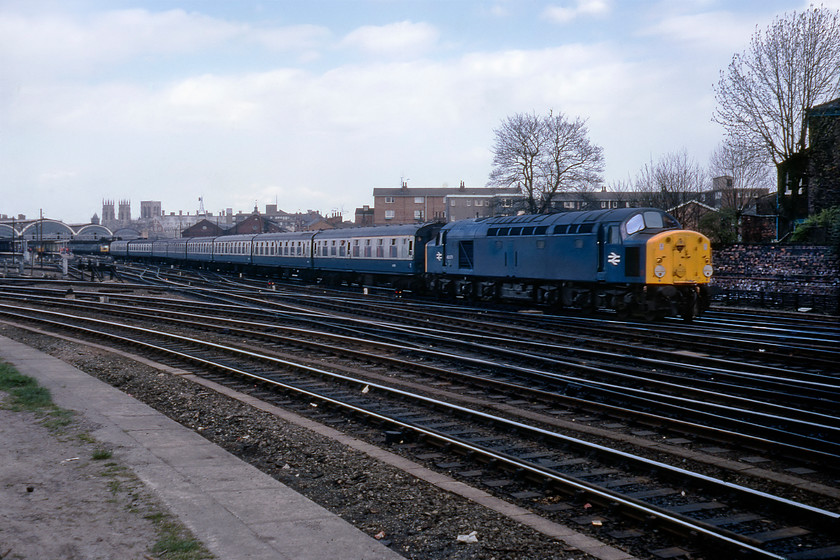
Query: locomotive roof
[[616, 215]]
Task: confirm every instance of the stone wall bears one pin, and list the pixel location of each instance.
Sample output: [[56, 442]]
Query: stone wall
[[812, 273]]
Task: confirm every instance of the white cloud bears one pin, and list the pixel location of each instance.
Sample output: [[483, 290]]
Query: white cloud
[[567, 13], [403, 38], [295, 37], [704, 32], [60, 44]]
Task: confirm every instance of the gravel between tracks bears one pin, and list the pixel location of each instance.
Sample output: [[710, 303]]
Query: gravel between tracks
[[418, 520]]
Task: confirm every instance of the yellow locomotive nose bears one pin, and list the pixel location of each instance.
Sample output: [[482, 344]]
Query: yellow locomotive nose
[[678, 257]]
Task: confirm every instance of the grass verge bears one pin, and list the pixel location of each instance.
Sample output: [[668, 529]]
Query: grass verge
[[174, 542], [24, 392]]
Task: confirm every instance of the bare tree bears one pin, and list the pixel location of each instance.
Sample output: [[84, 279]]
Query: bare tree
[[571, 162], [670, 182], [764, 94], [748, 170], [544, 156]]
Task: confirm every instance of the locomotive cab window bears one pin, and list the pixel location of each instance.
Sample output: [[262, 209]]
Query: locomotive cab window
[[650, 220]]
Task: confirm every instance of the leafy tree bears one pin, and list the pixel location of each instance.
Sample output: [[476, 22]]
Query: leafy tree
[[820, 228], [720, 227], [762, 97], [544, 155]]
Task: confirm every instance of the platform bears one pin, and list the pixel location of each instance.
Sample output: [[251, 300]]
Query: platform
[[233, 508]]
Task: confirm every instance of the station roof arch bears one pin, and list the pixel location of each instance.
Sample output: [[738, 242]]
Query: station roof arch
[[6, 232], [93, 232], [126, 233], [47, 230]]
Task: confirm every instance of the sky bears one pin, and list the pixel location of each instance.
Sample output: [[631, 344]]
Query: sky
[[313, 104]]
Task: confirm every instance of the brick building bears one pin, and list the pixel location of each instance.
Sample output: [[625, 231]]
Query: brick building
[[823, 156], [406, 205], [204, 228]]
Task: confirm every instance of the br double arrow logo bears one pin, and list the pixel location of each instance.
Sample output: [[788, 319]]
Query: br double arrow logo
[[614, 258]]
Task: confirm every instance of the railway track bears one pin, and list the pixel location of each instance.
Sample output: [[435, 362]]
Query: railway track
[[401, 426], [802, 344], [533, 453], [766, 407]]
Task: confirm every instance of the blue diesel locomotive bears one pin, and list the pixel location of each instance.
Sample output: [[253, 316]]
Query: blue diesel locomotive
[[636, 261]]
